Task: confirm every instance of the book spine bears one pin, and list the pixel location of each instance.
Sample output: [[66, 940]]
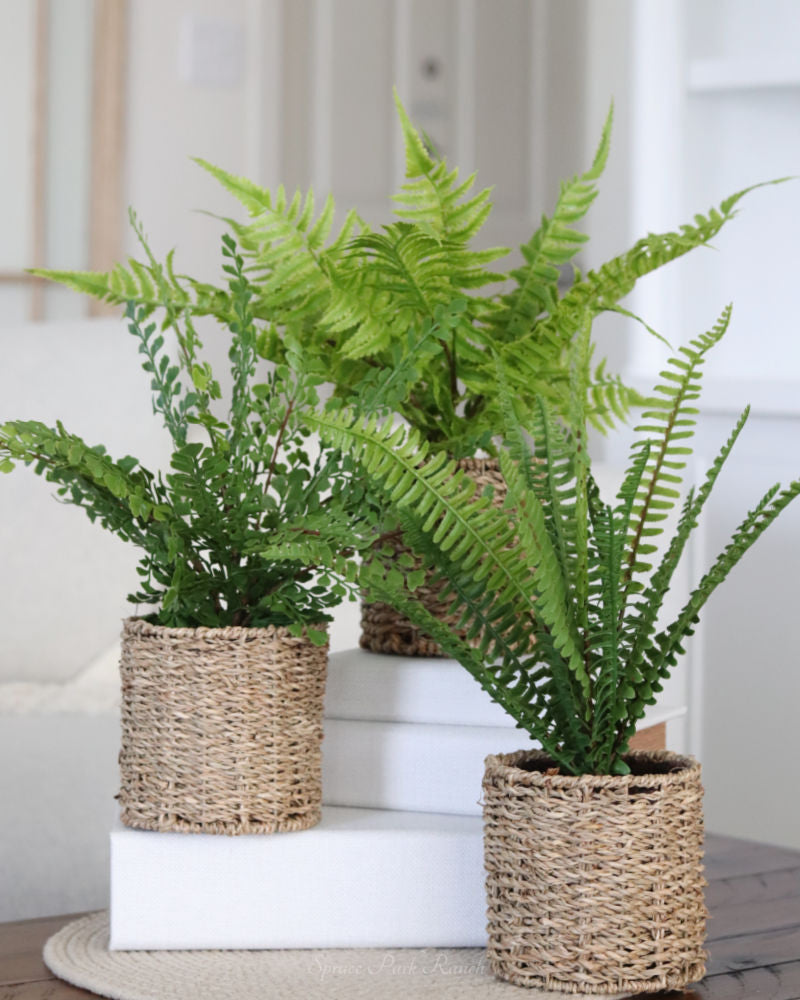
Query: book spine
[[407, 766]]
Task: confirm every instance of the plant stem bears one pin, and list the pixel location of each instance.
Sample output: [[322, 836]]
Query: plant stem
[[278, 441]]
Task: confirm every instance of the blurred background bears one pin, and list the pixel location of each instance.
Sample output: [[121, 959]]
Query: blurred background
[[102, 105]]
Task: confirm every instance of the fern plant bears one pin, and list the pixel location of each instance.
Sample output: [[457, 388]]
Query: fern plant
[[418, 292], [246, 527], [556, 589]]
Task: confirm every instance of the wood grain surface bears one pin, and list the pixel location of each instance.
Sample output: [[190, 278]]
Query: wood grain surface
[[753, 933]]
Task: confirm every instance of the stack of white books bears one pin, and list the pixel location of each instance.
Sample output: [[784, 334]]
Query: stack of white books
[[395, 862]]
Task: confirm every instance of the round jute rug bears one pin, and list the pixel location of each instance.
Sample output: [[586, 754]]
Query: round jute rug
[[79, 953]]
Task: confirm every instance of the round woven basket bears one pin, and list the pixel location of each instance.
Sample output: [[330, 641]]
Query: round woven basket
[[221, 729], [595, 883], [384, 630]]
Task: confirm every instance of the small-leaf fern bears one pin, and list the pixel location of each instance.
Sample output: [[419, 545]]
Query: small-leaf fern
[[247, 527]]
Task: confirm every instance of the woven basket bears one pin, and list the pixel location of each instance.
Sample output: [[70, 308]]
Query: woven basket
[[221, 729], [595, 883], [384, 630]]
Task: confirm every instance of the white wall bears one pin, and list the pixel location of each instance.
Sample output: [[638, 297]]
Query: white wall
[[715, 99], [63, 580], [171, 118], [65, 133], [742, 109], [68, 149], [16, 84]]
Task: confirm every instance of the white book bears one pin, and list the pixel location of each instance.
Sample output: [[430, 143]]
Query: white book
[[418, 766], [384, 688], [360, 879], [379, 687], [410, 766]]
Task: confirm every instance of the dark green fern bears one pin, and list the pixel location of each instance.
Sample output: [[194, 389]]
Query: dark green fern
[[247, 526], [556, 589]]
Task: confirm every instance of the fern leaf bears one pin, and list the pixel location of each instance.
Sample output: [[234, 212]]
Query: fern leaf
[[286, 248], [670, 424], [540, 349], [254, 198], [432, 198], [117, 494], [376, 585], [605, 639], [443, 499], [94, 283], [756, 522], [642, 620], [553, 245]]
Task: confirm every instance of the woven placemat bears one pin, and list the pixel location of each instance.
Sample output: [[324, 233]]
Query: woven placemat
[[79, 953]]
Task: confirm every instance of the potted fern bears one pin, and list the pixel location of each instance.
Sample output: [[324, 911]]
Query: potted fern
[[246, 543], [593, 853], [400, 318]]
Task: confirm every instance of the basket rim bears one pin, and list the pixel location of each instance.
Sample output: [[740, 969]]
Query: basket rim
[[505, 767], [137, 626]]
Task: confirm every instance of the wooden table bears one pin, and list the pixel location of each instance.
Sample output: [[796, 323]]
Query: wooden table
[[753, 936]]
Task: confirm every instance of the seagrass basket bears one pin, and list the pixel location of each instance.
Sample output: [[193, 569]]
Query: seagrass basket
[[221, 729], [384, 630], [595, 883]]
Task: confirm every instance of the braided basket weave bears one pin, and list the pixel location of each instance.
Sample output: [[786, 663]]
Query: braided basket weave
[[595, 883], [221, 729], [384, 630]]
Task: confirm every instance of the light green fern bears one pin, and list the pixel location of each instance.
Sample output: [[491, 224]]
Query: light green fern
[[362, 300], [543, 345], [550, 249]]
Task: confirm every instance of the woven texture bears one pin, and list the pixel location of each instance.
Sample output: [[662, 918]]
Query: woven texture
[[384, 630], [595, 883], [79, 953], [221, 729]]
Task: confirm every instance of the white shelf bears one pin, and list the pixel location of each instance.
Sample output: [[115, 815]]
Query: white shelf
[[713, 76]]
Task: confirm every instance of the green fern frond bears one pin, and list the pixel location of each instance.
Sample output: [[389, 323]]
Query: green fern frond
[[663, 655], [399, 278], [255, 199], [136, 283], [288, 248], [397, 460], [120, 495], [432, 198], [538, 353], [498, 686], [604, 637], [670, 420], [603, 288], [552, 246], [609, 400], [640, 679]]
